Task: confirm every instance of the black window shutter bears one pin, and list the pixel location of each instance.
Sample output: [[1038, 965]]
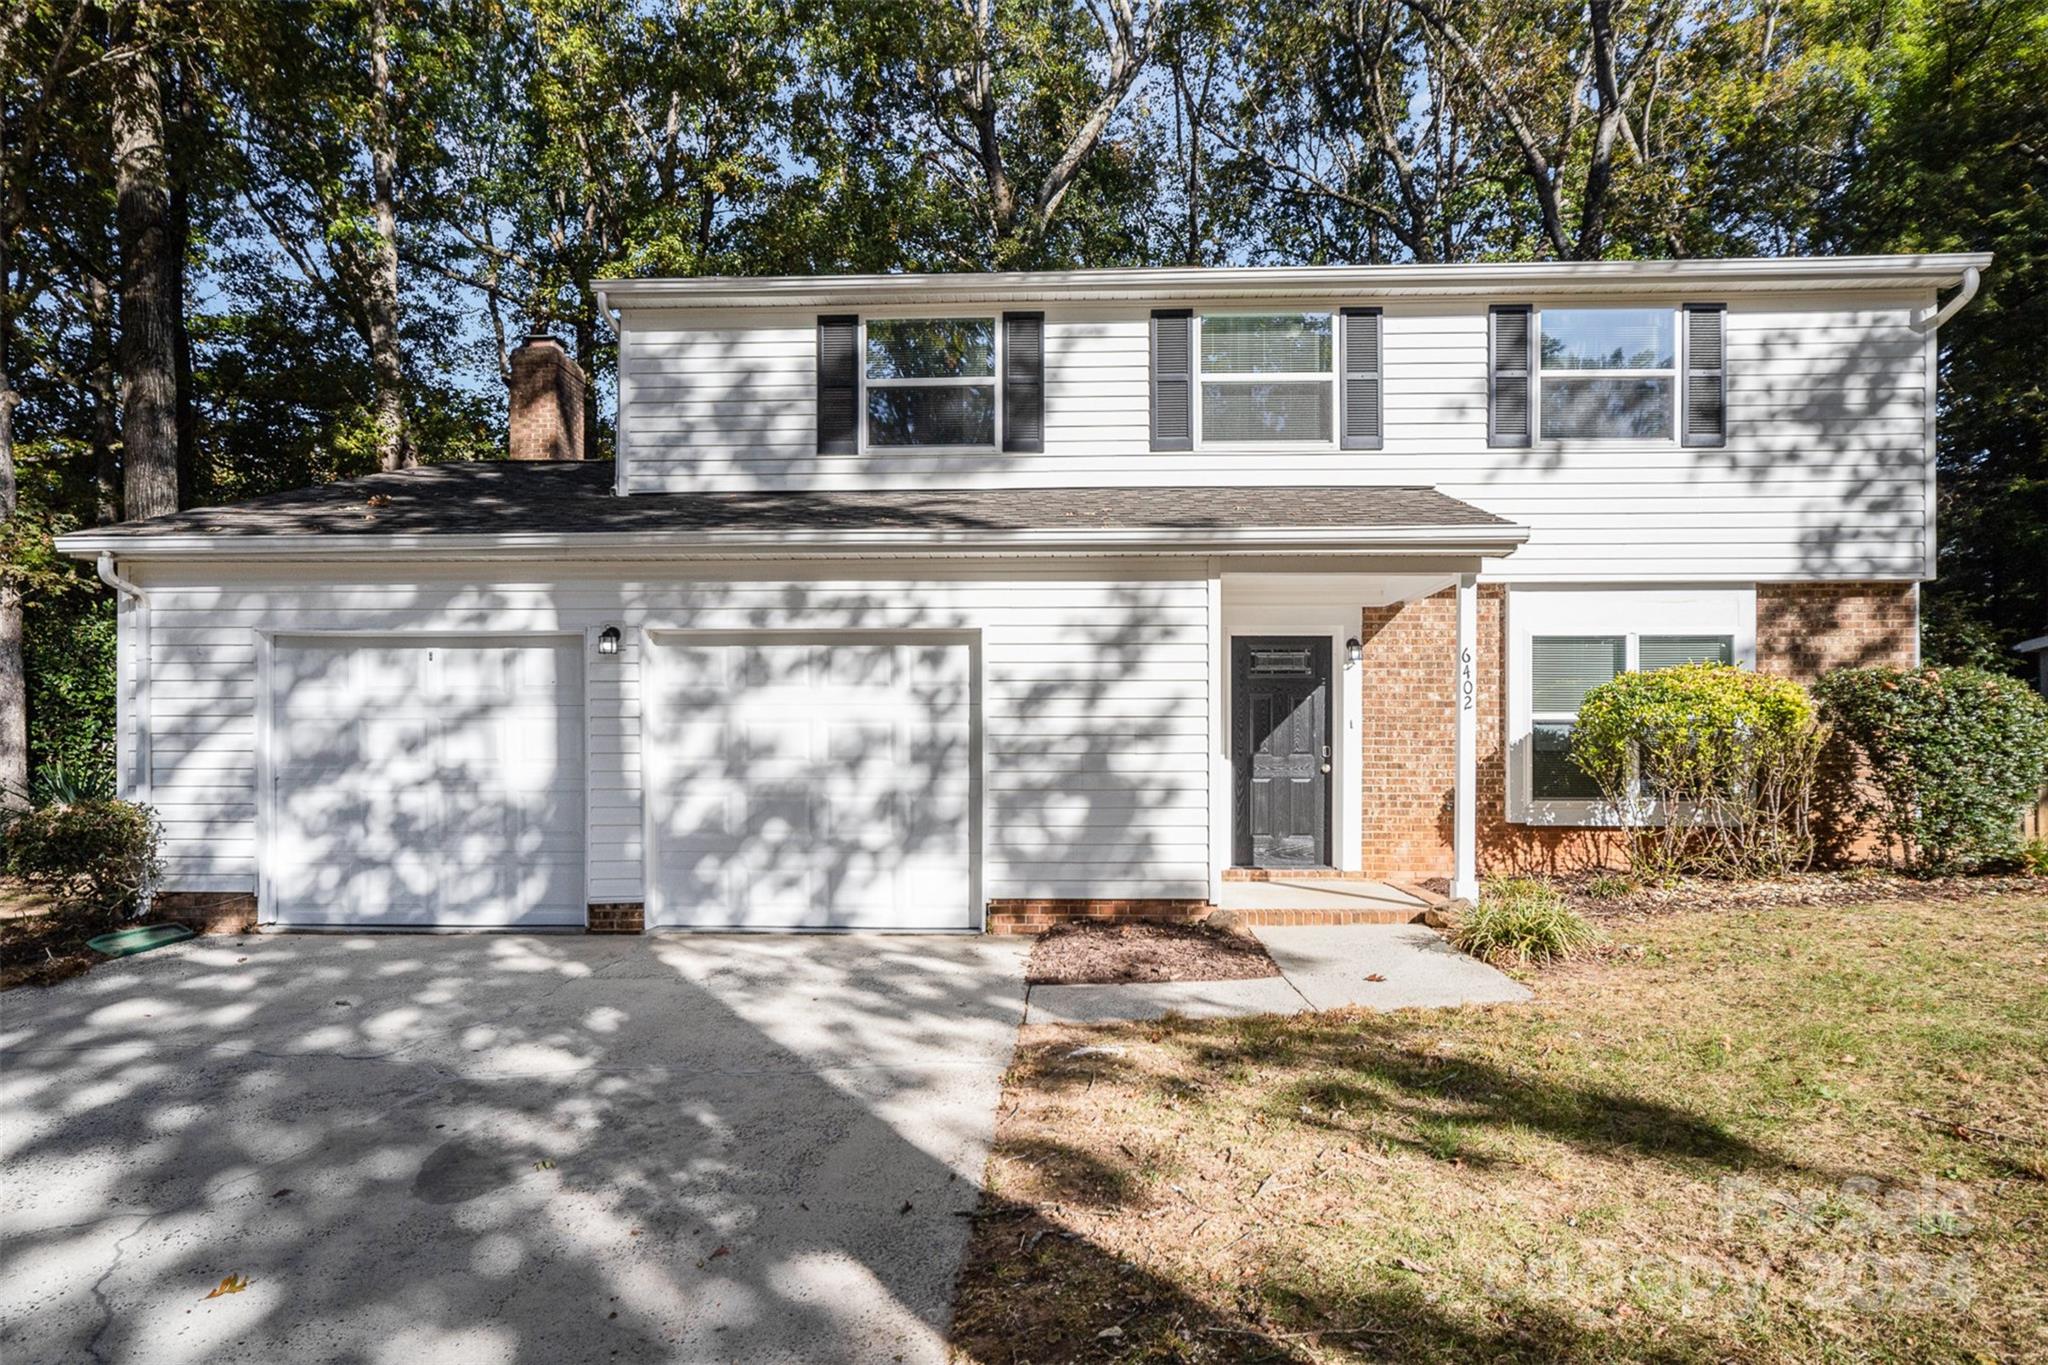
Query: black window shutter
[[1024, 383], [1704, 379], [839, 385], [1363, 392], [1173, 379], [1511, 350]]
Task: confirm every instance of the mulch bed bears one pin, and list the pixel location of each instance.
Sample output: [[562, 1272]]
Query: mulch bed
[[1101, 954], [37, 946]]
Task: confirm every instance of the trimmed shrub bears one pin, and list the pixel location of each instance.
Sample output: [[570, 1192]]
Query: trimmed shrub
[[1708, 768], [1954, 756], [96, 859], [1521, 920]]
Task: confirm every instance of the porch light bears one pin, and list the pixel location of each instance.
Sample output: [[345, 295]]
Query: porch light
[[608, 640], [1354, 652]]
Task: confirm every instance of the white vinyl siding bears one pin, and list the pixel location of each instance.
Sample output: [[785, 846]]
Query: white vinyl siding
[[1826, 472], [1094, 694]]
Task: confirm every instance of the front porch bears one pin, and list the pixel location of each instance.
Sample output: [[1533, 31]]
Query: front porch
[[1345, 756], [1322, 900]]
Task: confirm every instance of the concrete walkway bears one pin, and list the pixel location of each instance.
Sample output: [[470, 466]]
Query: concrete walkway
[[1321, 968]]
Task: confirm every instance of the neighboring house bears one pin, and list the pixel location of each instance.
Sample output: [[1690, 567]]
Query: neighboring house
[[2037, 650], [967, 600]]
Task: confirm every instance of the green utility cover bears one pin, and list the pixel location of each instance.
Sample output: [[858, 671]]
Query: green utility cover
[[126, 942]]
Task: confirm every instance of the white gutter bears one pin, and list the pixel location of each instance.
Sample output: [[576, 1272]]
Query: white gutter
[[1937, 270], [782, 544], [113, 579], [1955, 305]]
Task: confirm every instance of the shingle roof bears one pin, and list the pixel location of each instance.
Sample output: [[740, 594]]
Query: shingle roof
[[503, 497]]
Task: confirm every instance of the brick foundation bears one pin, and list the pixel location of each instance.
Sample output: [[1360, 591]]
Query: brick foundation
[[1406, 720], [206, 912], [1036, 916], [615, 917]]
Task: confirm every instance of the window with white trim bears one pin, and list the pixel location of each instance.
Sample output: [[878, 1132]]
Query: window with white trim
[[1608, 373], [1564, 668], [1267, 377], [1564, 642], [930, 382]]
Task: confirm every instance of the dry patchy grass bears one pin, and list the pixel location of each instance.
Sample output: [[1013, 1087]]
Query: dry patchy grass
[[1772, 1135]]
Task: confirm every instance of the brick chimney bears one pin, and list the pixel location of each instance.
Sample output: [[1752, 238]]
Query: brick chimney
[[547, 402]]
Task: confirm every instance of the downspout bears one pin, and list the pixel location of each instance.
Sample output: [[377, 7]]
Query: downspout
[[110, 577], [611, 319], [137, 700], [1956, 304]]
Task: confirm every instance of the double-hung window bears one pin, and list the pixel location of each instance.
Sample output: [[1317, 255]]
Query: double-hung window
[[1564, 668], [930, 382], [1607, 373], [1267, 377]]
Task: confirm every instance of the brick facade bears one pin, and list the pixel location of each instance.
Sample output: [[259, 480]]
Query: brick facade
[[1406, 721], [615, 917]]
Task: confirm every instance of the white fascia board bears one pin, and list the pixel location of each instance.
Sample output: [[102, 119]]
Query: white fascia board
[[1321, 540], [1930, 270]]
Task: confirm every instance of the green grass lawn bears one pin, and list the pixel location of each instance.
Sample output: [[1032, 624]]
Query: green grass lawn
[[1812, 1134]]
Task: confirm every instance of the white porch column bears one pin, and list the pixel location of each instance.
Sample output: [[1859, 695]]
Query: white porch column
[[1464, 822]]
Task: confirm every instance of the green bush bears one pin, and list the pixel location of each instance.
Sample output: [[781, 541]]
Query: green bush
[[1954, 756], [94, 858], [1709, 768], [1521, 920], [70, 658]]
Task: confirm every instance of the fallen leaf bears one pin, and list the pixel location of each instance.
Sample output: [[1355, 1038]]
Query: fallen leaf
[[544, 1165], [281, 1193], [1374, 976], [1412, 1267], [723, 1250], [229, 1284], [1096, 1051], [1109, 1334], [907, 1207]]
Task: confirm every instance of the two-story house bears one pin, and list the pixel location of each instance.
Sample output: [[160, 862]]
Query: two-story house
[[963, 601]]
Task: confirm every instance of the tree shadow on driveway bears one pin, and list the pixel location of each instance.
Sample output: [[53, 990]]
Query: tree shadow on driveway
[[500, 1148]]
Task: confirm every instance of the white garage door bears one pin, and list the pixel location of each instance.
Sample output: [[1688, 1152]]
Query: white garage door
[[820, 783], [427, 783]]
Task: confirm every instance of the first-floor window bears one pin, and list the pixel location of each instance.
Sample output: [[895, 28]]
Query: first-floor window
[[1564, 668], [931, 381], [1268, 377]]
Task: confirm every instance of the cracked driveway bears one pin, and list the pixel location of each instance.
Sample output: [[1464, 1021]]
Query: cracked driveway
[[500, 1148]]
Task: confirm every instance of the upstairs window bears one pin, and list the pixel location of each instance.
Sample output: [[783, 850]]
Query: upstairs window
[[1267, 377], [931, 382], [1608, 373]]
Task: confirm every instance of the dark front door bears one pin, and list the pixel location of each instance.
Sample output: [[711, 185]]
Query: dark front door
[[1280, 750]]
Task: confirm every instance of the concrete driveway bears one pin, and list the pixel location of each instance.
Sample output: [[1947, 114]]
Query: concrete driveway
[[500, 1148]]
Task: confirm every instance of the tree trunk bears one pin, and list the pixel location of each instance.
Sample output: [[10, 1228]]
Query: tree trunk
[[13, 672], [149, 388], [187, 415], [394, 449], [106, 412]]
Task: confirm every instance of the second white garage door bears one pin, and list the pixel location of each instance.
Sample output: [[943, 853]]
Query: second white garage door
[[811, 783]]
